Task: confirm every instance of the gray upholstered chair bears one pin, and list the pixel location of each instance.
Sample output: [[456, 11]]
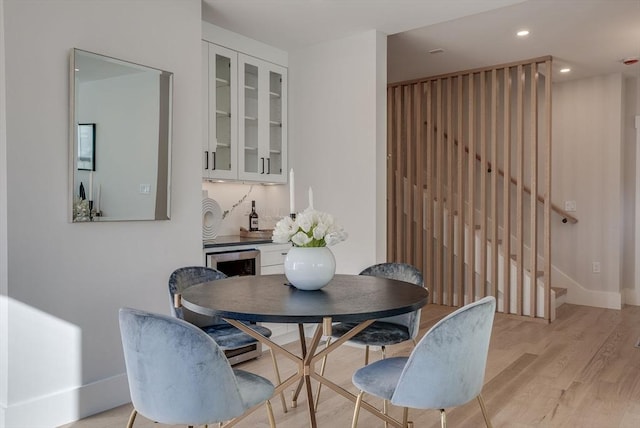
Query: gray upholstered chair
[[384, 331], [445, 369], [178, 375], [228, 337]]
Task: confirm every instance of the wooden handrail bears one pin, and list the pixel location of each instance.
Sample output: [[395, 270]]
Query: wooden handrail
[[566, 217]]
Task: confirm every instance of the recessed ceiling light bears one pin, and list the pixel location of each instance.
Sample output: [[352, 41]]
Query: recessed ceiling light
[[565, 70], [522, 33]]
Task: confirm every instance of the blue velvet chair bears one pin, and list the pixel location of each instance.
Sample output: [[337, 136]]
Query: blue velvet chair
[[228, 337], [385, 331], [445, 369], [178, 375]]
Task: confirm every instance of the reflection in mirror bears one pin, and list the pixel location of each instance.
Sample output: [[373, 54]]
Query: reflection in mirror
[[120, 150]]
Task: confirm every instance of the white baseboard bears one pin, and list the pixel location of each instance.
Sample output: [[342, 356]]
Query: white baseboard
[[578, 295], [70, 405]]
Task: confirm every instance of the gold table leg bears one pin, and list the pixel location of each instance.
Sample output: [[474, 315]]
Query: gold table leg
[[306, 370]]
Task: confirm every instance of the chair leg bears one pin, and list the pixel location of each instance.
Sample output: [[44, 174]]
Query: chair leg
[[385, 409], [356, 411], [443, 418], [485, 414], [405, 417], [277, 370], [132, 418], [272, 420], [385, 403], [322, 367]]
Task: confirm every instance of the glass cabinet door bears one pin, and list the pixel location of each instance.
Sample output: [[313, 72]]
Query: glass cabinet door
[[275, 124], [220, 148], [253, 162], [262, 139]]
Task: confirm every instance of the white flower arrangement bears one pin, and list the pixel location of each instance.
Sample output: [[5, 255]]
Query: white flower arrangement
[[311, 228], [81, 209]]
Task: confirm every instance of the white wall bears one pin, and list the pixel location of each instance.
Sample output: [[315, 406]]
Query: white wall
[[4, 319], [587, 168], [66, 281], [630, 287], [337, 116]]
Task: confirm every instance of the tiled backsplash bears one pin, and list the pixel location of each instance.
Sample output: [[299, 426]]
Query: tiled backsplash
[[272, 203]]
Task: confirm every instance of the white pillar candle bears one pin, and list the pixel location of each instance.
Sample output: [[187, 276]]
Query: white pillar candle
[[98, 199], [291, 193], [91, 185], [310, 198]]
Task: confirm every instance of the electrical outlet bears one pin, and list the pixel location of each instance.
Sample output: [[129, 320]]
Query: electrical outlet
[[145, 189], [595, 267], [570, 206]]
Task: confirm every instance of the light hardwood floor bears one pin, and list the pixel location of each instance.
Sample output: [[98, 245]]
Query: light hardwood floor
[[583, 370]]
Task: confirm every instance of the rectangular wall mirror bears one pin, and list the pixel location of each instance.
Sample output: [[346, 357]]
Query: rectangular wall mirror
[[120, 132]]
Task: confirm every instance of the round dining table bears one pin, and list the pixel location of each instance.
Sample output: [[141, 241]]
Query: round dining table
[[358, 299]]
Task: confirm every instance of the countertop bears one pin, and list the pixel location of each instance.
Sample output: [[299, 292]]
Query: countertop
[[231, 240]]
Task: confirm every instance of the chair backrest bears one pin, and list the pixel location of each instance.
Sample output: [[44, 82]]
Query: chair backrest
[[401, 272], [185, 277], [177, 373], [447, 366]]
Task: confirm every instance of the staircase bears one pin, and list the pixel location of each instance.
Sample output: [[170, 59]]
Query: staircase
[[478, 142], [558, 294]]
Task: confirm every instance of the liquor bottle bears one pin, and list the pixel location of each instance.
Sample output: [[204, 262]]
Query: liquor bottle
[[253, 217]]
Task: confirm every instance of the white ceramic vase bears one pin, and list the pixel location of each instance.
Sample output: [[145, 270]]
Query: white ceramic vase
[[309, 268]]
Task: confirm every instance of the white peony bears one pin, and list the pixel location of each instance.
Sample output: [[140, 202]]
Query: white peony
[[284, 230], [300, 239], [311, 228], [335, 237]]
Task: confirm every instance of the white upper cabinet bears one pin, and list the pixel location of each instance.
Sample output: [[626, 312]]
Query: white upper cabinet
[[220, 107], [262, 131], [245, 109]]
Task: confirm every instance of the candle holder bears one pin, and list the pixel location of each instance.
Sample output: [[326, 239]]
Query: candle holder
[[90, 210]]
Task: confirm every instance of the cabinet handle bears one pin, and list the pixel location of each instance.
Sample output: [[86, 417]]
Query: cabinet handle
[[206, 159], [262, 160], [268, 165], [213, 163]]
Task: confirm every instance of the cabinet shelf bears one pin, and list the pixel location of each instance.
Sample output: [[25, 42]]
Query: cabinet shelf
[[250, 88], [222, 113], [220, 82], [274, 95], [251, 118], [275, 152], [250, 149], [275, 124]]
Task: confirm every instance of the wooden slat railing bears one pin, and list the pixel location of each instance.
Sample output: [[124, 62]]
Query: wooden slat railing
[[437, 186]]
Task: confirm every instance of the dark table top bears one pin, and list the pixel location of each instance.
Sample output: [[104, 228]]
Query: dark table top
[[268, 298]]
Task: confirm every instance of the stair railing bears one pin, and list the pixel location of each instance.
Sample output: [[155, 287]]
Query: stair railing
[[566, 217]]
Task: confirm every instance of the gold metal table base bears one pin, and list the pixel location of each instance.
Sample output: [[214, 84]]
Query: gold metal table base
[[306, 370]]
